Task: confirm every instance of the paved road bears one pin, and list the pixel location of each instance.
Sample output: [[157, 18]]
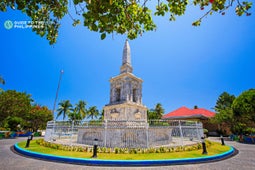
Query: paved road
[[245, 160]]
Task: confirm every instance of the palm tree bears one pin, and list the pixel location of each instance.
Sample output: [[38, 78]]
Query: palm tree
[[102, 115], [92, 112], [80, 109], [64, 109], [73, 116], [2, 80], [159, 110]]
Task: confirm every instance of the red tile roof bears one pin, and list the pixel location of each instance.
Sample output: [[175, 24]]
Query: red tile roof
[[184, 112]]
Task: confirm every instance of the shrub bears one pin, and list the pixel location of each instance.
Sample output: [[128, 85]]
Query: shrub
[[116, 150], [199, 146], [122, 150]]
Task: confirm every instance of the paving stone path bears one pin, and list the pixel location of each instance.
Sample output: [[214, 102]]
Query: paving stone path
[[245, 160]]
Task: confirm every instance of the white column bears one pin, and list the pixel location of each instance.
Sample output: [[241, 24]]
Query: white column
[[181, 135]]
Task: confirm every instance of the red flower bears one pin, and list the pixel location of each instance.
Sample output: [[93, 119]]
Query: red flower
[[211, 1]]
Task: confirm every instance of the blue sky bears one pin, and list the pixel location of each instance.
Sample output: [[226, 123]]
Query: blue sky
[[181, 65]]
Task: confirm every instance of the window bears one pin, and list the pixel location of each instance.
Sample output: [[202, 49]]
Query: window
[[134, 95], [117, 95]]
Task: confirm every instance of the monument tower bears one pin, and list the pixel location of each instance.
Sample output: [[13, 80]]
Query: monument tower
[[125, 117], [125, 93]]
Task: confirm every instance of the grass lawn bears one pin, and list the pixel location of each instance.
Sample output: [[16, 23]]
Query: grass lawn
[[215, 148]]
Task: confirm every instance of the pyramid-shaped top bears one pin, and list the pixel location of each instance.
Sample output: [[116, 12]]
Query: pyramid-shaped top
[[126, 59]]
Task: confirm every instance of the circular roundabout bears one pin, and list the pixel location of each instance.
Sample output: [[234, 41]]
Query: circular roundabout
[[102, 162]]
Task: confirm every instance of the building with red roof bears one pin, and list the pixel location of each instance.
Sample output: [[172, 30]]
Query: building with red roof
[[196, 114], [186, 113]]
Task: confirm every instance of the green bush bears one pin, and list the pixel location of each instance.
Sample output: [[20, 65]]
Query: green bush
[[116, 150], [123, 150]]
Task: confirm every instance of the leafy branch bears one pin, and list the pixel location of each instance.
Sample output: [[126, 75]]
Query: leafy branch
[[130, 17], [221, 6]]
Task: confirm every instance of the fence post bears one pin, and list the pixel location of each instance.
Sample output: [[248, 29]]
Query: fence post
[[180, 127], [198, 135], [71, 133], [147, 135], [53, 131], [105, 132]]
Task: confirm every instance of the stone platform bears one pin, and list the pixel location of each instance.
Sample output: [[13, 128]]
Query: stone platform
[[125, 135]]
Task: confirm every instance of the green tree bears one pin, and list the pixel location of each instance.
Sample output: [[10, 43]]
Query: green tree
[[14, 123], [65, 108], [38, 117], [93, 112], [244, 110], [224, 101], [2, 80], [79, 112], [74, 116], [101, 115], [159, 110], [224, 114], [155, 113], [131, 17], [151, 114], [80, 109], [14, 104]]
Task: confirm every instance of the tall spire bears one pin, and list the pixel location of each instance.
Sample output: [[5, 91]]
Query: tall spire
[[126, 59]]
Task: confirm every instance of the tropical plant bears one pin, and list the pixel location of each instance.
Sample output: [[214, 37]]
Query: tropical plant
[[236, 113], [74, 116], [93, 112], [14, 123], [130, 17], [80, 109], [244, 109], [65, 108], [155, 113], [224, 113], [159, 110], [38, 117], [2, 80], [102, 115], [14, 104], [224, 101]]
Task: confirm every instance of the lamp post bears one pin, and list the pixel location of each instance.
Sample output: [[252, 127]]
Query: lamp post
[[54, 106], [59, 81], [204, 146], [95, 148], [29, 138], [222, 140]]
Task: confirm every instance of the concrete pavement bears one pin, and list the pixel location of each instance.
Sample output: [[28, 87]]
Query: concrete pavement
[[11, 161]]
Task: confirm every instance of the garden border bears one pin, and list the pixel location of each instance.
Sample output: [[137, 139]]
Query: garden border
[[98, 162]]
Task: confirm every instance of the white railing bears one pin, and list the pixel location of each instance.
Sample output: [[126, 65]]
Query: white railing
[[181, 131]]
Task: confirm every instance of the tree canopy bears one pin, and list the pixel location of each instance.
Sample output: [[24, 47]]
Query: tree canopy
[[2, 80], [224, 101], [244, 110], [77, 113], [155, 113], [65, 108], [131, 17], [38, 117], [17, 111], [236, 113], [13, 103], [93, 112]]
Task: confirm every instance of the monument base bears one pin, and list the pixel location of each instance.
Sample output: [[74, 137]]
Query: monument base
[[125, 135]]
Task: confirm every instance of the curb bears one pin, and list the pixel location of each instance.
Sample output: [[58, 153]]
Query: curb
[[98, 162]]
